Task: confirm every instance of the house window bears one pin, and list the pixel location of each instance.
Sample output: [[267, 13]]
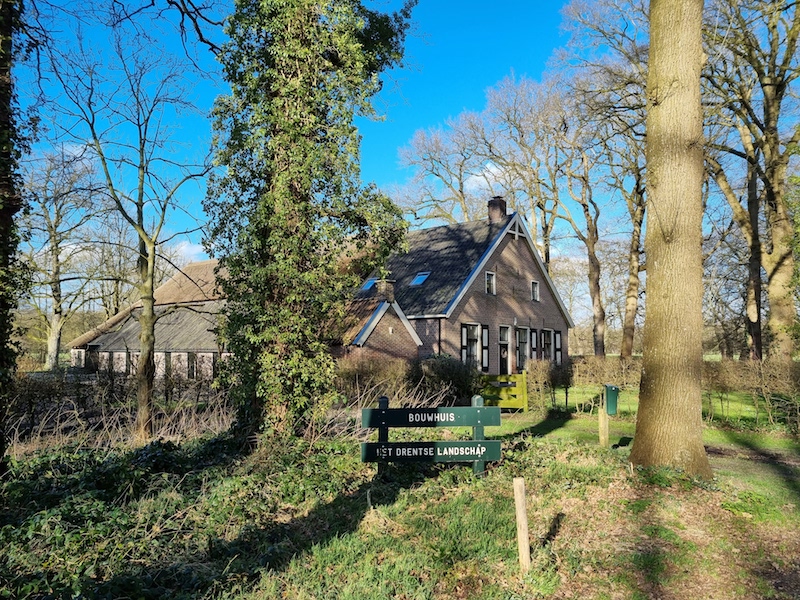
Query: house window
[[491, 288], [522, 349], [475, 339], [420, 278], [557, 344], [546, 337], [369, 283], [470, 344], [534, 344], [535, 291]]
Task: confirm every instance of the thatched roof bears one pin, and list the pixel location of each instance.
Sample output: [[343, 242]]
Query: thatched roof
[[180, 328], [193, 288], [195, 282]]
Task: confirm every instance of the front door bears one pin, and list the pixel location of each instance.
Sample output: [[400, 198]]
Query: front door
[[505, 358]]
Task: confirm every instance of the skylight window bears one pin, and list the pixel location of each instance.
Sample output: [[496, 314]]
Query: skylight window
[[369, 283], [420, 278]]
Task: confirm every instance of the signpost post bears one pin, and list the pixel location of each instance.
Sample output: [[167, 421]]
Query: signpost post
[[477, 451]]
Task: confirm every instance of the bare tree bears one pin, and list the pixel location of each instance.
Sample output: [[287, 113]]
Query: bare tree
[[752, 67], [608, 55], [532, 145], [64, 198], [124, 103], [669, 419], [451, 183]]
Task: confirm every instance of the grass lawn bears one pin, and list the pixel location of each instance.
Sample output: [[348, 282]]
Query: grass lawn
[[310, 521]]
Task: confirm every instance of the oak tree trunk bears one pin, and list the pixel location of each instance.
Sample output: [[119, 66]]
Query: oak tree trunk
[[669, 419]]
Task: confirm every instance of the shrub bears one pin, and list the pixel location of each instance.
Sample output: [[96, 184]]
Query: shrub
[[597, 371], [447, 378], [773, 384]]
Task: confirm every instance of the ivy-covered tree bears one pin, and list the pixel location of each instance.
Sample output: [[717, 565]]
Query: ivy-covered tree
[[288, 210], [10, 205]]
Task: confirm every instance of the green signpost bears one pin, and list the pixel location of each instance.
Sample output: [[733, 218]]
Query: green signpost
[[477, 451], [430, 451]]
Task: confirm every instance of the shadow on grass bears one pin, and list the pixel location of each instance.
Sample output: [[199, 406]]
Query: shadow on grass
[[784, 465], [240, 562], [555, 419], [119, 477]]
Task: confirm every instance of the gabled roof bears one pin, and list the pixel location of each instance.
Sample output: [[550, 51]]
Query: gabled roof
[[364, 314], [450, 253], [454, 255]]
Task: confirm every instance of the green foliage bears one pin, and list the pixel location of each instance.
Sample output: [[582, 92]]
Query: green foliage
[[289, 214]]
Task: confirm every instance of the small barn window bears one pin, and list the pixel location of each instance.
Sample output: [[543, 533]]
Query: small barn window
[[491, 287], [535, 291]]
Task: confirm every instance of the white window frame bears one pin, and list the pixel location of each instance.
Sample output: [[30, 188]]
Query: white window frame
[[535, 297], [507, 342], [491, 283]]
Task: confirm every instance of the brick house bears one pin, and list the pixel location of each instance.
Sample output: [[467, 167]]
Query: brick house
[[475, 290]]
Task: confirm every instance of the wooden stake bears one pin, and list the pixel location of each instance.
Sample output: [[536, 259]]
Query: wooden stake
[[523, 541], [602, 421]]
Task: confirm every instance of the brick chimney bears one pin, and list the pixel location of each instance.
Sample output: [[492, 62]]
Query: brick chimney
[[385, 289], [497, 209]]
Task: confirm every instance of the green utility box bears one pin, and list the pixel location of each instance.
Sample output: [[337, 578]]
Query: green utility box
[[612, 394]]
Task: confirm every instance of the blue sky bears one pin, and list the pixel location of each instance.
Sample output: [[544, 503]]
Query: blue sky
[[455, 51]]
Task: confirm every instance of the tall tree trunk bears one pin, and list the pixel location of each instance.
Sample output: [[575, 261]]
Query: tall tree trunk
[[669, 419], [55, 328], [778, 261], [598, 311], [753, 292], [56, 321], [10, 204], [146, 366], [632, 289]]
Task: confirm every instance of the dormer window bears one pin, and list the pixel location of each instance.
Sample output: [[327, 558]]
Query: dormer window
[[369, 283], [491, 287], [420, 278]]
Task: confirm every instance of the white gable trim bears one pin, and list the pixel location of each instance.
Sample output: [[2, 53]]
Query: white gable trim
[[516, 227], [376, 317]]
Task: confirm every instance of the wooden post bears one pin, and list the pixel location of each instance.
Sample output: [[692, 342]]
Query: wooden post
[[479, 466], [602, 420], [383, 433], [523, 541]]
